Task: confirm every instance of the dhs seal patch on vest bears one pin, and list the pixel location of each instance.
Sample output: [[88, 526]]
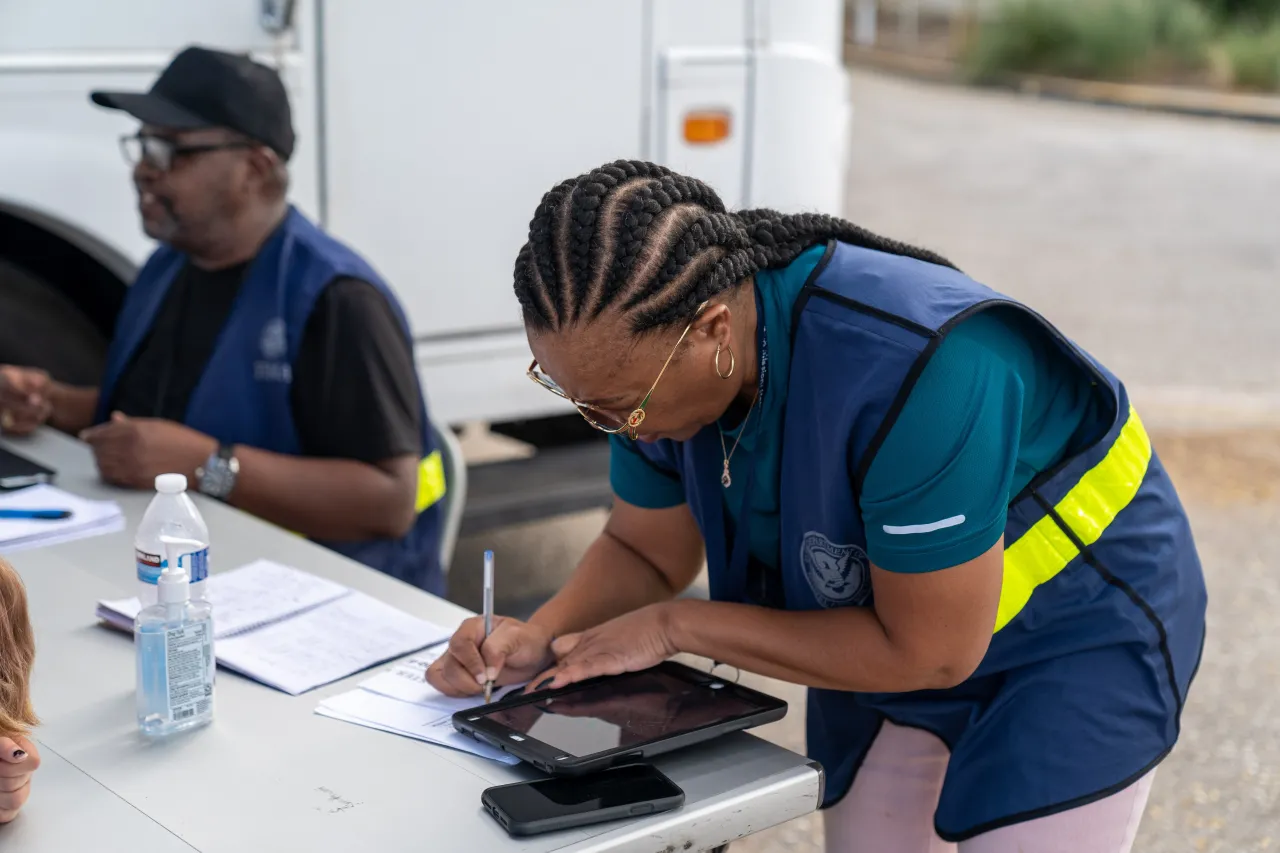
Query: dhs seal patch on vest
[[274, 344], [839, 575]]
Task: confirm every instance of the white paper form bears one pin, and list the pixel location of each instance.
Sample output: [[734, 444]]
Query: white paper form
[[326, 643], [421, 722], [406, 680]]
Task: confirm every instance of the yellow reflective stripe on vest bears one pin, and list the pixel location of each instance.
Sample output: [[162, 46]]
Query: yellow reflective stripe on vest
[[431, 485], [1090, 506]]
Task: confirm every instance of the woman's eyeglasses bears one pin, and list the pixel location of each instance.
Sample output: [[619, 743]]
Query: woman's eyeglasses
[[599, 418]]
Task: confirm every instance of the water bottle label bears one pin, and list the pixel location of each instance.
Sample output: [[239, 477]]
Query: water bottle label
[[151, 565], [188, 663], [197, 564]]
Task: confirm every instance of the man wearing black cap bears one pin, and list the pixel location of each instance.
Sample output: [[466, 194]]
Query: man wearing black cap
[[254, 352]]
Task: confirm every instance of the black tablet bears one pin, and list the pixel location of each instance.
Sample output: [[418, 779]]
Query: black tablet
[[618, 719], [18, 472]]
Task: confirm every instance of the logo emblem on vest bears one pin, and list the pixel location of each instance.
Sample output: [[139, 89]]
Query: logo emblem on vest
[[274, 343], [839, 575]]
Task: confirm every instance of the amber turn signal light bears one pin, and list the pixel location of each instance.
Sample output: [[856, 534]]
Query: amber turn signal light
[[707, 127]]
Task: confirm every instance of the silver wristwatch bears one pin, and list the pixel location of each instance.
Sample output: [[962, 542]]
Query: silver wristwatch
[[217, 477]]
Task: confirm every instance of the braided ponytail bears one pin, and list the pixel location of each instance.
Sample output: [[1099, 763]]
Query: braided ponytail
[[779, 239], [654, 245]]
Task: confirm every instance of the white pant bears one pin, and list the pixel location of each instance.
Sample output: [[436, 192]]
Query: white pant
[[890, 809]]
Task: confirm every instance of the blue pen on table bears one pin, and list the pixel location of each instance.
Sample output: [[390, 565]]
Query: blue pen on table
[[488, 616], [34, 514]]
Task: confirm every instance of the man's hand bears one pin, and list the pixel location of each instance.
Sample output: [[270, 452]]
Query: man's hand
[[131, 452], [18, 760], [24, 399]]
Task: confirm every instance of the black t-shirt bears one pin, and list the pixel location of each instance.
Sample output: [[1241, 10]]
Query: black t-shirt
[[354, 392]]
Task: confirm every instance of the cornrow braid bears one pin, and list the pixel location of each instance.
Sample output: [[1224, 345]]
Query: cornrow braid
[[652, 244]]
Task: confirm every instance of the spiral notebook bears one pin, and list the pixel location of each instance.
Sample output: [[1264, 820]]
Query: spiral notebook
[[294, 631]]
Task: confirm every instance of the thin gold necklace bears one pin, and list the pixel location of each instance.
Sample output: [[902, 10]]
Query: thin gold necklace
[[725, 479]]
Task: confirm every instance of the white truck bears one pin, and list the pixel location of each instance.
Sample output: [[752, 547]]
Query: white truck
[[427, 132]]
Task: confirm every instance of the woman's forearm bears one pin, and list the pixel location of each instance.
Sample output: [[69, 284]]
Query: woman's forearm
[[611, 580], [845, 648]]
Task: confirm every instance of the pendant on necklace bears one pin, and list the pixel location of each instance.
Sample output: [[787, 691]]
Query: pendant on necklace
[[725, 479]]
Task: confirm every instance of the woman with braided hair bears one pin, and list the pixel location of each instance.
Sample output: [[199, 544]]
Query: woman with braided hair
[[914, 496]]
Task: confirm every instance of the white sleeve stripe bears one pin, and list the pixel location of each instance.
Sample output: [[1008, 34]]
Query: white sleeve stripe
[[953, 521]]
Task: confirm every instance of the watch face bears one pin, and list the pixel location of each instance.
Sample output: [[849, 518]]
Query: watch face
[[217, 477]]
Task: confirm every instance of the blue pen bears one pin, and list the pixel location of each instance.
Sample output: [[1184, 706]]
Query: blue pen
[[34, 514], [488, 614]]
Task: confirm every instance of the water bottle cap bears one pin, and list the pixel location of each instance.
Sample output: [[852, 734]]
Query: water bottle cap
[[171, 484]]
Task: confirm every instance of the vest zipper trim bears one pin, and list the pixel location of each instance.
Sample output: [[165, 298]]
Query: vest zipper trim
[[862, 756], [878, 313], [1087, 555], [809, 289], [1053, 470], [908, 385], [1046, 811], [857, 765]]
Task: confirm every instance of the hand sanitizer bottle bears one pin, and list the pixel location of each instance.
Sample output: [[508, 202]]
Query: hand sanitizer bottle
[[174, 643]]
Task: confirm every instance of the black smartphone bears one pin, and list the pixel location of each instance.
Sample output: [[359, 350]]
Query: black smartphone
[[565, 802]]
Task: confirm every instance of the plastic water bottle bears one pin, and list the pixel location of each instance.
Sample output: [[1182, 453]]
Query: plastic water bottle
[[173, 640], [171, 513]]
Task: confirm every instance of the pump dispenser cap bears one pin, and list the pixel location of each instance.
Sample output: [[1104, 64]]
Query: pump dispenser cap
[[174, 586]]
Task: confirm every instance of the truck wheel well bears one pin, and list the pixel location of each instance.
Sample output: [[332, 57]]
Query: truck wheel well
[[89, 285]]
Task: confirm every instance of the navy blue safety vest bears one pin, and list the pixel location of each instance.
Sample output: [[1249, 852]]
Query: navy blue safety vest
[[243, 395], [1101, 617]]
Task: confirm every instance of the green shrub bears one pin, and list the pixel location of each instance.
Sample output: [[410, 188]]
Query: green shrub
[[1182, 30], [1254, 57], [1101, 39], [1255, 10]]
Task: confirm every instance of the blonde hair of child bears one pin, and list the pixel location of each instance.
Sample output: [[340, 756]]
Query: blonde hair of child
[[17, 655]]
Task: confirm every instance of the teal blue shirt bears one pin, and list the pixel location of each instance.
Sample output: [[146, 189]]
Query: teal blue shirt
[[996, 404]]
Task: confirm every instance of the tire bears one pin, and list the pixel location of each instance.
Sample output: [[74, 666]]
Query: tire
[[41, 327]]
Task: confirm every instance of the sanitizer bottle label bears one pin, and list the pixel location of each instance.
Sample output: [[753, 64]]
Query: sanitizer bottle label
[[188, 662]]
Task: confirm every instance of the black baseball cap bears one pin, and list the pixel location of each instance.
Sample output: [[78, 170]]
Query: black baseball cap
[[211, 88]]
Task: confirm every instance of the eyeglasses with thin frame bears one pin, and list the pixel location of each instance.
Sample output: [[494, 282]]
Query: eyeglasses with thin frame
[[596, 416], [162, 153]]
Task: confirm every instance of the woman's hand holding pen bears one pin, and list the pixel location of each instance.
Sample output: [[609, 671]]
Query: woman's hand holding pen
[[513, 653]]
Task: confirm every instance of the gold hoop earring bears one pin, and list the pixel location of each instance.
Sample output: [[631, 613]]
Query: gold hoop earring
[[732, 363]]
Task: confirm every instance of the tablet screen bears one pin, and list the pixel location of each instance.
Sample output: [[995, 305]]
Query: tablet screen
[[622, 712]]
